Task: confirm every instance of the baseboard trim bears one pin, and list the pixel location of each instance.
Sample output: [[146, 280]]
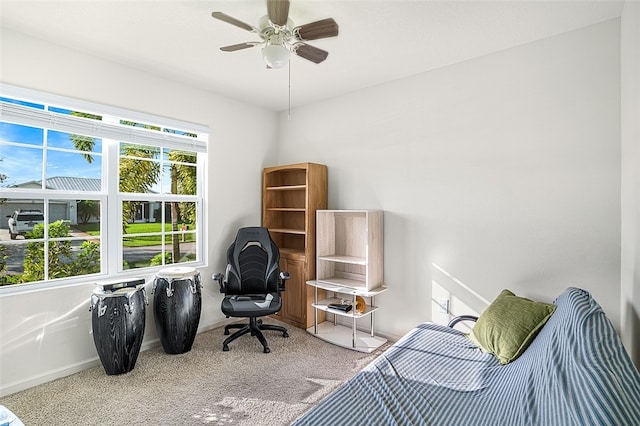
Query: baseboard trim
[[10, 388], [44, 378]]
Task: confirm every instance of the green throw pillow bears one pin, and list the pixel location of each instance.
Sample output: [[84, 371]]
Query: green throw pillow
[[509, 325]]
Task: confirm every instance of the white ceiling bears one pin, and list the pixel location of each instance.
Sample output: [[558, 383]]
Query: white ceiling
[[379, 40]]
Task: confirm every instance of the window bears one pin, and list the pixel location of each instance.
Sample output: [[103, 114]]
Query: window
[[90, 190]]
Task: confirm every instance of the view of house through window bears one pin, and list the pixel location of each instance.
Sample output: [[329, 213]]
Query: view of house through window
[[79, 187]]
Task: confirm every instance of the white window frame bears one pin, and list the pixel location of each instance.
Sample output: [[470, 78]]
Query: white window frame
[[111, 132]]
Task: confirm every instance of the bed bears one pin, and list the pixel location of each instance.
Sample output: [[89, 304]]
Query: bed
[[575, 371]]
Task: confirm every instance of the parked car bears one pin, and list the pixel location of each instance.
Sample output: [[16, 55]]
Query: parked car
[[23, 221]]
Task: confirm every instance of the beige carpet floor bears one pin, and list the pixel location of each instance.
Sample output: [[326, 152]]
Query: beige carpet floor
[[205, 386]]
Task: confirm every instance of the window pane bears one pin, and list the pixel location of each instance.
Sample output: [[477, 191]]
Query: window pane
[[142, 125], [139, 169], [21, 134], [21, 255], [77, 251], [60, 252], [32, 262], [75, 113], [185, 214], [81, 216], [139, 252], [167, 178], [135, 212], [60, 211], [142, 238], [19, 102], [87, 216], [72, 172], [179, 156], [139, 151], [179, 179], [11, 261], [139, 176], [74, 141], [24, 259], [82, 259], [185, 248], [22, 166], [180, 132], [19, 218]]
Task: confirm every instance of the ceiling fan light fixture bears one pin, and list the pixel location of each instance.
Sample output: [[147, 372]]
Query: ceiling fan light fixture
[[279, 37], [275, 55]]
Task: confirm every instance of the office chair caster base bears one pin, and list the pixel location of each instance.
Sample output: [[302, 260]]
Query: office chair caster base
[[230, 326], [254, 328]]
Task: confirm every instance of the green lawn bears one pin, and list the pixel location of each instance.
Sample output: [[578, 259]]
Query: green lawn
[[89, 228], [140, 228]]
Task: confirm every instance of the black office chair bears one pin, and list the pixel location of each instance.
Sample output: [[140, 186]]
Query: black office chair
[[252, 284]]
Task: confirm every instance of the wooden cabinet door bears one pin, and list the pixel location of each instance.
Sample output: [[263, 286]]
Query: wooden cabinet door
[[294, 298]]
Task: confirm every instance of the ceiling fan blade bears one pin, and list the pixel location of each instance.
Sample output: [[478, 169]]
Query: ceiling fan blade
[[315, 30], [278, 11], [233, 21], [239, 46], [310, 53]]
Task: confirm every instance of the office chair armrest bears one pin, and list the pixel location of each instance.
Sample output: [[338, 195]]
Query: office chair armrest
[[219, 277], [284, 276]]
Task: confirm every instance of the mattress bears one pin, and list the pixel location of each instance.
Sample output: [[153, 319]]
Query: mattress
[[575, 372]]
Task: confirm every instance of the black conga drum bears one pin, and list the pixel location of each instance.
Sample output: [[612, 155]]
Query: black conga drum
[[118, 320], [177, 303]]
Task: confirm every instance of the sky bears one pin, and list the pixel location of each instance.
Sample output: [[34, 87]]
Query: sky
[[22, 156]]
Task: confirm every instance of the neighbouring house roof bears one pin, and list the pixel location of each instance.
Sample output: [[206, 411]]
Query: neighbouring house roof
[[65, 183]]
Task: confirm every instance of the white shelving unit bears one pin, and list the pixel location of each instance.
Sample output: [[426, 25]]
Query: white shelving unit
[[339, 334], [349, 248], [349, 264]]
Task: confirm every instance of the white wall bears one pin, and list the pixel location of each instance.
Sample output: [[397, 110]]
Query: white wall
[[46, 334], [503, 170], [630, 269]]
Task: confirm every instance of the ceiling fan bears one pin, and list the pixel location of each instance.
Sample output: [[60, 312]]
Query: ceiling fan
[[280, 37]]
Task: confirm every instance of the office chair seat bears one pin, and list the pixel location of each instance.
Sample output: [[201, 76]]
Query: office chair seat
[[251, 305]]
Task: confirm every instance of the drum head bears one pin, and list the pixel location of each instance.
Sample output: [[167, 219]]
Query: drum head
[[113, 285], [177, 272], [101, 293]]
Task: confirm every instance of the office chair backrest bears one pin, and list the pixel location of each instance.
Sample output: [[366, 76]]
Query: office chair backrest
[[253, 262]]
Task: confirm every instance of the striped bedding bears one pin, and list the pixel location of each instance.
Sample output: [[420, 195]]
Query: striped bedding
[[575, 372]]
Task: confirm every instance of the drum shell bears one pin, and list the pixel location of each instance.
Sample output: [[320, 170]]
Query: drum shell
[[118, 323], [177, 304]]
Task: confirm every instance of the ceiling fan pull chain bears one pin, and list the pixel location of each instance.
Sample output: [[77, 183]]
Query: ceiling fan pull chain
[[289, 116]]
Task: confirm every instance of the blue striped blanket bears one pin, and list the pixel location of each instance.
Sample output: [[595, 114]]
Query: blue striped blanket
[[575, 372]]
